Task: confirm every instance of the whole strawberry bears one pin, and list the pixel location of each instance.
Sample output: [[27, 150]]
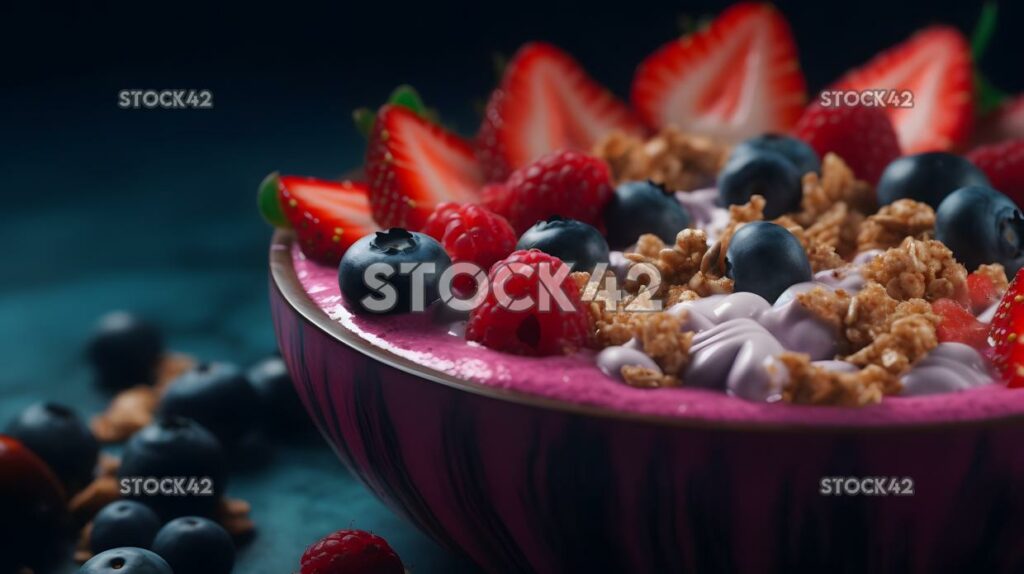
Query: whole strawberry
[[1007, 334], [470, 233], [351, 552], [1003, 163], [864, 137]]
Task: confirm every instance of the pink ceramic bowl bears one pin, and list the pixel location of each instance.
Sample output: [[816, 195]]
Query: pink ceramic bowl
[[523, 483]]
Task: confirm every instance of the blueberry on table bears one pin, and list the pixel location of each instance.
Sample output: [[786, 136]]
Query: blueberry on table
[[980, 226], [32, 508], [765, 173], [280, 407], [126, 561], [766, 259], [124, 351], [58, 436], [927, 177], [215, 395], [801, 155], [639, 207], [572, 241], [195, 545], [123, 523], [175, 447], [377, 275]]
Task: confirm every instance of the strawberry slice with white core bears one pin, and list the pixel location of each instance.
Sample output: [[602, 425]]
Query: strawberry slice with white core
[[328, 216], [934, 68], [735, 79], [413, 165], [546, 102]]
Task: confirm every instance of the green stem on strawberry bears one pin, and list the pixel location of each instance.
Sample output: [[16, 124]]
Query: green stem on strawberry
[[987, 96], [405, 96], [268, 202]]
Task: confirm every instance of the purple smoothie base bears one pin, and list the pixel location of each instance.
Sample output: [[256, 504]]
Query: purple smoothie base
[[422, 339]]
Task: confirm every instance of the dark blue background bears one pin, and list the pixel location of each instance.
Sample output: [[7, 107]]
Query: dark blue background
[[154, 210]]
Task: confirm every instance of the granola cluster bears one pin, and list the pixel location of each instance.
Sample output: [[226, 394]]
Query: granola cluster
[[919, 269], [674, 159], [814, 385], [894, 223], [688, 269]]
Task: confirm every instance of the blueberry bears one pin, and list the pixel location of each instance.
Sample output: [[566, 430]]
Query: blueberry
[[640, 207], [801, 155], [123, 523], [764, 173], [61, 439], [766, 259], [124, 351], [570, 240], [176, 447], [280, 406], [215, 395], [927, 177], [981, 225], [386, 288], [195, 545], [126, 561]]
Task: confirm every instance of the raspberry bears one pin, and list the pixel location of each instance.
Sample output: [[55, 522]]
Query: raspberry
[[1003, 163], [539, 329], [351, 552], [568, 183], [472, 234], [981, 291], [959, 326]]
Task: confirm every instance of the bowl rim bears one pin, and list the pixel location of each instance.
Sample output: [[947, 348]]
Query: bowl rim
[[286, 281]]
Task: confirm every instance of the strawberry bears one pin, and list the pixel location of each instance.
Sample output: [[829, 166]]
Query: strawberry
[[934, 66], [546, 102], [1007, 333], [412, 165], [737, 78], [981, 292], [862, 136], [958, 325], [1003, 123], [328, 216], [1003, 163]]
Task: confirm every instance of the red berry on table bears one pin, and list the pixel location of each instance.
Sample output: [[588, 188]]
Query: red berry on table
[[471, 233], [351, 552], [958, 325], [862, 136], [1007, 334], [737, 78], [546, 102], [525, 312], [328, 216], [934, 67], [1003, 164], [412, 165]]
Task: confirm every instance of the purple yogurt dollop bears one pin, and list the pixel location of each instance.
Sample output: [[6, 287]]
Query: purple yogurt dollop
[[734, 356], [947, 368], [611, 360]]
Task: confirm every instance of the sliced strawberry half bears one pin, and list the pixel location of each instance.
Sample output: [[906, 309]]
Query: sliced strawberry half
[[737, 78], [546, 102], [413, 165], [1007, 333], [328, 216], [934, 67]]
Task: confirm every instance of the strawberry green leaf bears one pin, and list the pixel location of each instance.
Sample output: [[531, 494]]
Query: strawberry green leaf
[[407, 97], [268, 202], [987, 96]]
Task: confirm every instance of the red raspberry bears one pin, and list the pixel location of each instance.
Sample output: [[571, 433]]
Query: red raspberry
[[958, 325], [470, 233], [534, 330], [1003, 164], [863, 136], [567, 183], [351, 552]]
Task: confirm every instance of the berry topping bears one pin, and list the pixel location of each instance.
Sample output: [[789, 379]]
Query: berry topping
[[471, 233], [766, 259], [980, 226], [195, 545], [215, 395], [546, 102], [124, 350], [33, 506], [351, 552], [863, 136], [533, 307], [61, 439], [795, 150], [639, 207], [934, 66], [279, 404], [328, 216], [413, 165], [982, 292], [927, 177], [176, 447], [567, 183], [958, 325], [1007, 334], [1004, 123], [123, 523], [381, 273], [580, 245], [765, 173], [269, 203], [1003, 164], [737, 78], [126, 561]]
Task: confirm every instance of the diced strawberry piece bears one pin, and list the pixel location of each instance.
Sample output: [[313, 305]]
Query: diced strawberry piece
[[328, 216], [1003, 163], [981, 292], [413, 165], [1004, 123], [737, 78], [1007, 334], [958, 325], [862, 136], [546, 102], [934, 66]]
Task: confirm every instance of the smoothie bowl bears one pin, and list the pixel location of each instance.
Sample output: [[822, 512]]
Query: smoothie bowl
[[714, 331]]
